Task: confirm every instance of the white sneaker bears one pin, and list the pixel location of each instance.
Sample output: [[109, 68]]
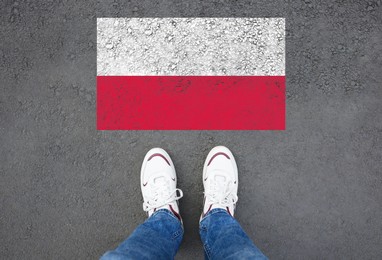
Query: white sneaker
[[220, 180], [158, 183]]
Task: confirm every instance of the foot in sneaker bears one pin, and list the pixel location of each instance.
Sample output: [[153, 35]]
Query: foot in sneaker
[[220, 181], [158, 183]]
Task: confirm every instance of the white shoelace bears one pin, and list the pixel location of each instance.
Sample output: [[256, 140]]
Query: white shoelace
[[161, 195], [221, 192]]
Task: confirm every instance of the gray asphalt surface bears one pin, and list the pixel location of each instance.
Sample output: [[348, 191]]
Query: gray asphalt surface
[[68, 191]]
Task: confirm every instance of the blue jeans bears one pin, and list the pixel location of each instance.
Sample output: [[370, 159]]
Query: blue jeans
[[160, 235]]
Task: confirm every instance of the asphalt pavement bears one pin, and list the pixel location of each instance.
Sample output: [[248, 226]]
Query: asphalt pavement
[[313, 191]]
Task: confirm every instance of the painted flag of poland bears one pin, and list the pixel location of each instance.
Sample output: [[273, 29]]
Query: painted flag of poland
[[191, 73]]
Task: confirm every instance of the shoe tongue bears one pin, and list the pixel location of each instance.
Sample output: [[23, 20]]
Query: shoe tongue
[[220, 181], [162, 181], [219, 178]]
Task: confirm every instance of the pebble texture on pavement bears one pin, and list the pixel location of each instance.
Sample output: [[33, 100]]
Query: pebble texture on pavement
[[313, 191], [186, 46]]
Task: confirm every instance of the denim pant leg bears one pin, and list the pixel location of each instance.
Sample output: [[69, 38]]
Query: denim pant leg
[[223, 238], [158, 237]]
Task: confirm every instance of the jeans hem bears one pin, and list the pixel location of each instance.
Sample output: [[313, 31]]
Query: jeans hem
[[167, 212], [214, 211]]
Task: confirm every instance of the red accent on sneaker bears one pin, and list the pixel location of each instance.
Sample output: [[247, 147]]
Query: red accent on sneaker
[[229, 212], [204, 214], [216, 154], [161, 155], [175, 213]]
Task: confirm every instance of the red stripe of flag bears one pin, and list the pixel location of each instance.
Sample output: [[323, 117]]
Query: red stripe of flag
[[191, 102]]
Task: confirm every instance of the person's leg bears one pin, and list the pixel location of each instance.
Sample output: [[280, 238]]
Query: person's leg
[[224, 238], [221, 234], [160, 235]]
